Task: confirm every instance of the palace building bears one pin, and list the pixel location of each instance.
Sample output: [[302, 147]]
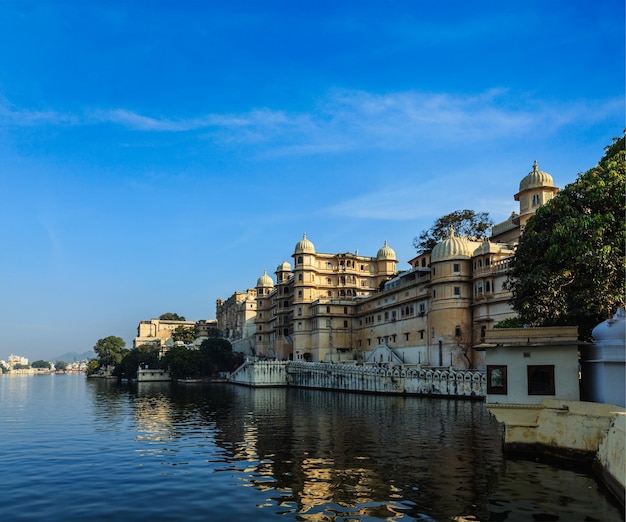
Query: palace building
[[358, 309]]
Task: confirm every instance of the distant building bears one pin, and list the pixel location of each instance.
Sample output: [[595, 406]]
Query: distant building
[[157, 331]]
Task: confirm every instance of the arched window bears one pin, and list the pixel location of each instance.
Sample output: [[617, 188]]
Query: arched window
[[300, 260]]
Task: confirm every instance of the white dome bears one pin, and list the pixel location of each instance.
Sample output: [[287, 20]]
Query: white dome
[[611, 331], [283, 267], [265, 280], [304, 246], [453, 248], [535, 179], [386, 253]]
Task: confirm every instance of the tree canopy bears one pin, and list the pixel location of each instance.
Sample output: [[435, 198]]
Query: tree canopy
[[40, 364], [145, 354], [469, 223], [569, 267], [186, 334], [110, 350], [169, 316]]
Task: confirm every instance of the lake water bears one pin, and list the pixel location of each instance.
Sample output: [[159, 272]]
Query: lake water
[[77, 449]]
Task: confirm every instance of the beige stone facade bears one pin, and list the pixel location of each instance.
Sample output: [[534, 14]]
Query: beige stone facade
[[351, 308], [157, 331], [236, 319]]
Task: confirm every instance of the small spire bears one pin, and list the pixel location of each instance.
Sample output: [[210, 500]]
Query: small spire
[[451, 233], [535, 166]]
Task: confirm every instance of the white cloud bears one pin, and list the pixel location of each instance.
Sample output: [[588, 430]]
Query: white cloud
[[348, 120]]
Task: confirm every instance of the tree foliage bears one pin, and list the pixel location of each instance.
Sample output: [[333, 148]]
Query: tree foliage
[[186, 334], [218, 354], [183, 362], [40, 364], [92, 366], [215, 355], [60, 365], [469, 223], [569, 266], [110, 350], [145, 354], [169, 316]]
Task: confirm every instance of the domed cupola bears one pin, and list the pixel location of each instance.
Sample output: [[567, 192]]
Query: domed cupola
[[265, 281], [386, 253], [486, 247], [536, 179], [612, 330], [283, 267], [304, 246], [453, 247]]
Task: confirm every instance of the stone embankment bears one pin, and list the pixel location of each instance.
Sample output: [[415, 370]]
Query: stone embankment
[[441, 382]]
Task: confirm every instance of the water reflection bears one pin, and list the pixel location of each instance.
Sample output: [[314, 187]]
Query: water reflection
[[313, 455]]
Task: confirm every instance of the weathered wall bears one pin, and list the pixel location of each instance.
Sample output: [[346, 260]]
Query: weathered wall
[[584, 432], [610, 462], [372, 379]]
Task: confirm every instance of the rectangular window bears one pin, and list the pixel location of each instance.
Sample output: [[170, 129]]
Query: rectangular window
[[457, 290], [541, 379], [406, 336], [457, 267], [496, 380], [421, 334]]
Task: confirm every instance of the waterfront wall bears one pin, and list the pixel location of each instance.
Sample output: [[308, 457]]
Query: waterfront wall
[[584, 432], [366, 379]]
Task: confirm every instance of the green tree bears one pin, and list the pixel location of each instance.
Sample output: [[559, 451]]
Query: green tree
[[569, 266], [60, 365], [169, 316], [213, 333], [110, 350], [40, 364], [217, 355], [186, 334], [469, 223], [92, 366], [183, 362], [511, 322], [145, 354]]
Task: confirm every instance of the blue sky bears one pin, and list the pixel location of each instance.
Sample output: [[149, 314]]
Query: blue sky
[[156, 156]]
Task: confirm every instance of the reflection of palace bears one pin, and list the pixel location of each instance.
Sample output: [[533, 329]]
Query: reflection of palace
[[341, 458], [348, 307]]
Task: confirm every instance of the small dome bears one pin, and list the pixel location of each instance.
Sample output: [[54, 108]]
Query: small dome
[[264, 280], [535, 179], [386, 253], [453, 248], [283, 267], [612, 331], [486, 247], [304, 246]]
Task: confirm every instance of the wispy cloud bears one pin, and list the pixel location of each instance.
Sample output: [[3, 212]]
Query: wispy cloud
[[348, 120], [11, 115]]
